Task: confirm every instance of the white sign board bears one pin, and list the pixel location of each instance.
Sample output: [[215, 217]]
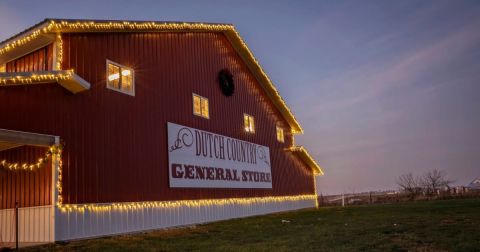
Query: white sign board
[[201, 159]]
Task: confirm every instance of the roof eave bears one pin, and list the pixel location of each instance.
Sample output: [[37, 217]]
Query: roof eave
[[66, 78], [305, 156]]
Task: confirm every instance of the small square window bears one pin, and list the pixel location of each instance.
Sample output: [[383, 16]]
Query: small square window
[[120, 78], [280, 136], [249, 123], [200, 106]]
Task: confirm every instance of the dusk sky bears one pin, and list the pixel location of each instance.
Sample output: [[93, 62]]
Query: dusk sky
[[381, 88]]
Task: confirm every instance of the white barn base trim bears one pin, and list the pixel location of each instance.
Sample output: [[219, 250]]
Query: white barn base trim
[[71, 222], [36, 225], [88, 223]]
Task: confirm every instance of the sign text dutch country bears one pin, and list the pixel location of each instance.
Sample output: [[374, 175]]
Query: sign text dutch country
[[200, 159]]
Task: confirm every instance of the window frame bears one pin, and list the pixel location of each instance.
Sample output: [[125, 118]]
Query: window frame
[[280, 129], [131, 93], [193, 106], [251, 120]]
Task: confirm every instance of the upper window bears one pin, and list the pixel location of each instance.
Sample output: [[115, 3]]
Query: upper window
[[249, 123], [200, 106], [280, 136], [120, 78]]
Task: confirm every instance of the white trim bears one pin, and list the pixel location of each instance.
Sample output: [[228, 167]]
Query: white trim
[[54, 56], [35, 224], [21, 50], [88, 222], [132, 93], [65, 78], [26, 138]]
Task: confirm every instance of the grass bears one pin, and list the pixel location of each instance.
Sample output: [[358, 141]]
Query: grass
[[447, 225]]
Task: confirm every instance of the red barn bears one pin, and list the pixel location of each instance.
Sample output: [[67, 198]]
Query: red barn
[[111, 127]]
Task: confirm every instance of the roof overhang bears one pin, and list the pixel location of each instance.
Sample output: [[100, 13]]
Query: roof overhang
[[25, 43], [305, 156], [44, 33], [13, 138], [66, 78]]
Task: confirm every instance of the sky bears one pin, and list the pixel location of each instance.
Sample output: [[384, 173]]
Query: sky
[[381, 88]]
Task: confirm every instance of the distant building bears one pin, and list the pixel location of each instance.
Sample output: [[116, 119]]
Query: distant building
[[474, 185]]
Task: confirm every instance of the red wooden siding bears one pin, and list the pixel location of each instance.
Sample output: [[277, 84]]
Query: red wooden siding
[[116, 144], [39, 60], [29, 188]]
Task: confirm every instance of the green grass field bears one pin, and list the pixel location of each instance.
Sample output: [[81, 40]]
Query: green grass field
[[446, 225]]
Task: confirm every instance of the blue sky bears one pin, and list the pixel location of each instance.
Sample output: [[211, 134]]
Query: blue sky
[[381, 87]]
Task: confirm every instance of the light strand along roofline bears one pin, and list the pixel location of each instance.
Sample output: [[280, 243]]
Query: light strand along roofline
[[52, 26]]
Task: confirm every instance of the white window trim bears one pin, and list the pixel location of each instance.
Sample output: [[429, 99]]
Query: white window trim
[[132, 93], [251, 132], [193, 106]]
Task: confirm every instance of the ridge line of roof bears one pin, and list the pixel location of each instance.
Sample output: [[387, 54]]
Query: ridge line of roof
[[72, 20]]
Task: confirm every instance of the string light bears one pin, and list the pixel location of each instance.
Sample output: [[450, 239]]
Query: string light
[[57, 26], [59, 178], [52, 150], [37, 78], [181, 203], [309, 158], [59, 51]]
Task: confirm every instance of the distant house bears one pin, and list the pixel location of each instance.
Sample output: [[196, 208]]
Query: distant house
[[474, 185]]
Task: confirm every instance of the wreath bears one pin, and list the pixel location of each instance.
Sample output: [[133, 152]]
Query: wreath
[[225, 79]]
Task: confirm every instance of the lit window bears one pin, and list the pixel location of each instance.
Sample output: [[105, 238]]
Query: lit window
[[200, 106], [249, 123], [280, 136], [120, 78]]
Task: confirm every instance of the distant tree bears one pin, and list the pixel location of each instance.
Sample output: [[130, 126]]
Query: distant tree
[[434, 180], [410, 184]]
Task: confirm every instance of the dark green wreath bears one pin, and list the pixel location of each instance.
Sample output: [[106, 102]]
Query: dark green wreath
[[225, 79]]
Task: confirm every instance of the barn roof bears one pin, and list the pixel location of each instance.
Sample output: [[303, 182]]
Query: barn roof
[[45, 32]]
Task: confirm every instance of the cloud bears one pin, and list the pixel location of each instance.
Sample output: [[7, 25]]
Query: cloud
[[377, 77]]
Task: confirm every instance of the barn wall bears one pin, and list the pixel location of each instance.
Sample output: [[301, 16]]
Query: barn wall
[[39, 60], [28, 188], [115, 145]]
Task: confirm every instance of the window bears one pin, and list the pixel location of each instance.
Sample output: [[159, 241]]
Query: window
[[120, 78], [249, 123], [280, 136], [200, 106]]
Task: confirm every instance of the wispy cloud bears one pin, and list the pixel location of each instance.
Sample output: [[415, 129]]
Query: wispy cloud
[[377, 77]]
